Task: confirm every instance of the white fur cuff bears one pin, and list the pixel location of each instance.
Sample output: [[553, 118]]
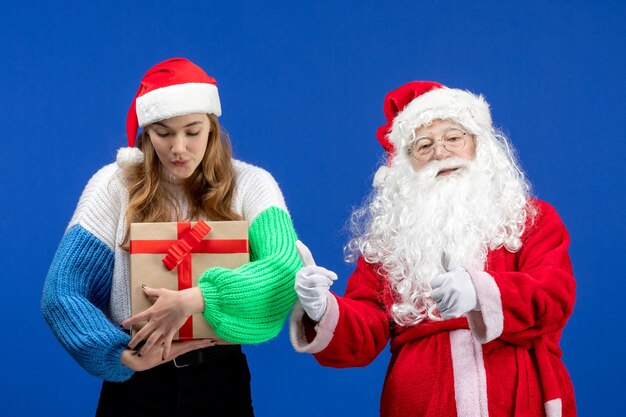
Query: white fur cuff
[[324, 329], [488, 323]]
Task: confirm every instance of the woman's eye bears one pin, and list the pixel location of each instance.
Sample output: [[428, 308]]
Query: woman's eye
[[163, 134], [193, 133]]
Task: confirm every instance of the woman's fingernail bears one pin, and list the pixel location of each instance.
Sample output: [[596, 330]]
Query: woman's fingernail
[[144, 286]]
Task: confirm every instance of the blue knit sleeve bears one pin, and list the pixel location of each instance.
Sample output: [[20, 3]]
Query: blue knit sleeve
[[76, 291]]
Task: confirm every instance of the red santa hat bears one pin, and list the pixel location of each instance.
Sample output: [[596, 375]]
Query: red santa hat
[[417, 104], [174, 87]]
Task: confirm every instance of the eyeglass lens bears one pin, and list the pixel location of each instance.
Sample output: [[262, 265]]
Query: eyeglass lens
[[452, 141]]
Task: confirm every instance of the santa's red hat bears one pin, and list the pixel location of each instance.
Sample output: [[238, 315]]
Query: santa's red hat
[[395, 102], [174, 87], [417, 104]]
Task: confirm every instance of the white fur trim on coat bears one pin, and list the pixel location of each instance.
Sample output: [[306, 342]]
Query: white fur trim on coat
[[177, 100], [470, 377], [554, 408]]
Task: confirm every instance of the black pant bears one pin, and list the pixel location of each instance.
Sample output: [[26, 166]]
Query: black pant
[[219, 386]]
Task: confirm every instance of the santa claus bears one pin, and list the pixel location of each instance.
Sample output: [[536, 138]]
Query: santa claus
[[465, 273]]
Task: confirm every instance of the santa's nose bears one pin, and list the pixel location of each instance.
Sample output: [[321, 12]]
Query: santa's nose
[[440, 151]]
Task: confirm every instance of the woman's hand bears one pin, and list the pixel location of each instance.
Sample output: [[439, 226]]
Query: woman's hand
[[157, 356], [168, 313]]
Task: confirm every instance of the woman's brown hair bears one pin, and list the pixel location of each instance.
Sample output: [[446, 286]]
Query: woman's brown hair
[[209, 189]]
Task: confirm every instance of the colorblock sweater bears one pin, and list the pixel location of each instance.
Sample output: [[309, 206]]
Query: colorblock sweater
[[503, 360], [87, 291]]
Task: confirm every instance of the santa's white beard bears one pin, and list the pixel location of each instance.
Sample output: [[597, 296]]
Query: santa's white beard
[[421, 224]]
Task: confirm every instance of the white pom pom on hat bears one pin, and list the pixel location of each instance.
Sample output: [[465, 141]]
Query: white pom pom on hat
[[174, 87], [128, 156]]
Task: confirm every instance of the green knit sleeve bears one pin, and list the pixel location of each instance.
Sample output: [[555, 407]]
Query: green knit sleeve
[[249, 304]]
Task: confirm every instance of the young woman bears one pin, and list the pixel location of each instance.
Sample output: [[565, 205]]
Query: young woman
[[181, 169]]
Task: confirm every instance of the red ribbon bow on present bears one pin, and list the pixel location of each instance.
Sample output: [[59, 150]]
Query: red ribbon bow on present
[[181, 248]]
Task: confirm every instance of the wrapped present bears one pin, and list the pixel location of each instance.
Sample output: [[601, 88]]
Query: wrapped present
[[174, 255]]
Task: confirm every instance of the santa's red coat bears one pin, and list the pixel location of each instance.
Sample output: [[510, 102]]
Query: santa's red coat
[[504, 360]]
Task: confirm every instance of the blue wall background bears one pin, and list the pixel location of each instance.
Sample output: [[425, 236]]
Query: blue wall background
[[302, 88]]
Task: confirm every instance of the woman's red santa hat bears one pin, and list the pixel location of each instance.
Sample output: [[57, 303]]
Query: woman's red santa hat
[[174, 87], [418, 103]]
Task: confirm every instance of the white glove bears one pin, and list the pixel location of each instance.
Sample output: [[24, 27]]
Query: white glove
[[454, 293], [312, 284]]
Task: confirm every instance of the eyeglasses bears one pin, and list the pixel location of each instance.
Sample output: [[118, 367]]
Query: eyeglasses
[[424, 148]]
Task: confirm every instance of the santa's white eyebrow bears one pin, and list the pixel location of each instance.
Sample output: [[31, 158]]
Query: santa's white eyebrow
[[447, 129]]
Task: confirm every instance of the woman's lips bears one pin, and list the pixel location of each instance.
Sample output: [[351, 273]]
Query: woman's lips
[[179, 162]]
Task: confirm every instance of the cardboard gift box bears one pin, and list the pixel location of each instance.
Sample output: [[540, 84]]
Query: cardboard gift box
[[174, 255]]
